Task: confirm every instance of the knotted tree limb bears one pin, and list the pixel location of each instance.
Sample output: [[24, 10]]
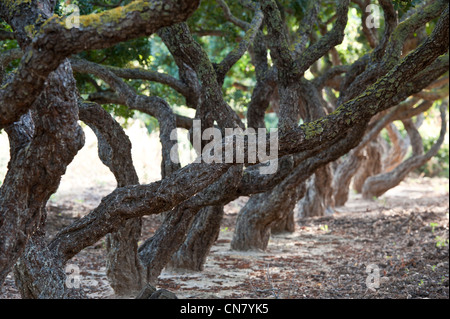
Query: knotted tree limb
[[290, 70], [52, 42], [266, 84], [306, 27], [153, 106], [125, 269], [332, 38], [402, 111], [39, 274], [353, 163], [152, 76], [209, 77], [6, 58], [128, 209], [235, 55], [388, 53], [156, 252], [6, 35], [369, 33]]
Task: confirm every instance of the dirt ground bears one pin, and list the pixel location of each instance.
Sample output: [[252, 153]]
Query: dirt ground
[[394, 247]]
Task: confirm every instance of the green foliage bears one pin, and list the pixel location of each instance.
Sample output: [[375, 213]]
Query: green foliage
[[210, 17], [8, 45], [355, 43], [433, 227], [224, 229]]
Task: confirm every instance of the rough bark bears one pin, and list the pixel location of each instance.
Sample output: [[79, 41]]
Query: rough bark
[[287, 224], [318, 199], [57, 131], [346, 169], [414, 137], [388, 52], [151, 105], [379, 184], [293, 89], [181, 44], [266, 83], [261, 98], [124, 268], [316, 128], [192, 255], [343, 177]]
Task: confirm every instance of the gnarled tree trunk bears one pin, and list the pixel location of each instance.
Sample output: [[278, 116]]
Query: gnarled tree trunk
[[39, 274], [370, 166], [379, 184], [156, 252], [39, 112], [318, 199], [256, 218], [123, 268], [343, 177]]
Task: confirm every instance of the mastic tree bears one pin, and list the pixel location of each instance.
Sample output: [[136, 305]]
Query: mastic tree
[[333, 89]]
